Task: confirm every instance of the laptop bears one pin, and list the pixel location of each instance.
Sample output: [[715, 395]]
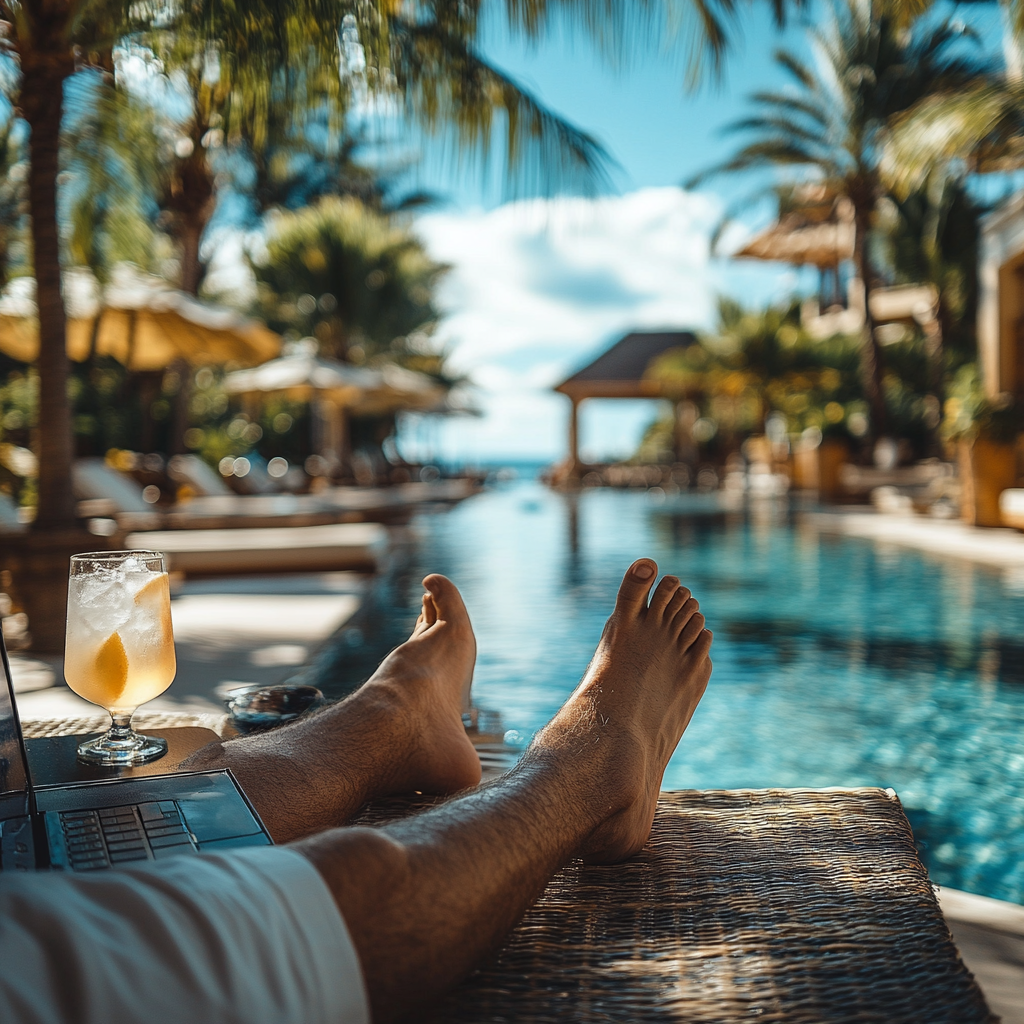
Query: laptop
[[97, 825]]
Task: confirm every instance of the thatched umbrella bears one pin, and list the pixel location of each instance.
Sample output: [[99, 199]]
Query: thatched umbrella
[[335, 390], [139, 320], [303, 376]]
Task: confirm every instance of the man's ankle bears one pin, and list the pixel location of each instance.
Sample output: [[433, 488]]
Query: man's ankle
[[601, 782]]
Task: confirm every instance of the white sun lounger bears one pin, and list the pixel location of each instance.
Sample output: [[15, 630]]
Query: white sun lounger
[[357, 546]]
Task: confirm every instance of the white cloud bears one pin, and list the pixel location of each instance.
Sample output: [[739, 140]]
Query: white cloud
[[538, 287]]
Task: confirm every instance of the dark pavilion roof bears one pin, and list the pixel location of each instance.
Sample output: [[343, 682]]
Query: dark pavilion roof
[[619, 372]]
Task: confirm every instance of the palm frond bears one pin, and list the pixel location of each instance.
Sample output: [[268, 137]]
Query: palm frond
[[778, 126], [447, 85], [790, 62], [982, 127], [817, 112]]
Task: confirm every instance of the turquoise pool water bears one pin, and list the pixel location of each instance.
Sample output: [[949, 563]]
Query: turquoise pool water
[[837, 662]]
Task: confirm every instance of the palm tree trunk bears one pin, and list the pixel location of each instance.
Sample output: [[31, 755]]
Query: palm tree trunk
[[42, 104], [870, 352], [192, 268]]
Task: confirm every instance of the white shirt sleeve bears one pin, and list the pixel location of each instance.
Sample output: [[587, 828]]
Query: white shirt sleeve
[[250, 936]]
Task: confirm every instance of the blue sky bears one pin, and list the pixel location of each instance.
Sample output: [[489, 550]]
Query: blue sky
[[657, 131], [539, 286]]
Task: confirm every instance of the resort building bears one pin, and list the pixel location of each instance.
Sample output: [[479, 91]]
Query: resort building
[[816, 229], [1001, 299]]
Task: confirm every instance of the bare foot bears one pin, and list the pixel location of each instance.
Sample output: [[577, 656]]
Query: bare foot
[[427, 680], [628, 714]]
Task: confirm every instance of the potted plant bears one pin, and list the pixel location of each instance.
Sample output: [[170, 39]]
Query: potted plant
[[984, 431]]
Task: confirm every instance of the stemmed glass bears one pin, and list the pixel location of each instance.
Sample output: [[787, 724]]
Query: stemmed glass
[[119, 648]]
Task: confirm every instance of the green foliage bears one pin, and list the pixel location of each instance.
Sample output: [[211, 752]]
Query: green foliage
[[358, 281], [832, 119], [218, 429], [107, 187], [874, 62], [914, 410], [19, 401], [976, 128], [971, 414], [759, 362], [932, 236], [106, 407], [13, 199]]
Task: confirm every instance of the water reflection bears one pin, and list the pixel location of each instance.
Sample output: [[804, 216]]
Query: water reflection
[[836, 663]]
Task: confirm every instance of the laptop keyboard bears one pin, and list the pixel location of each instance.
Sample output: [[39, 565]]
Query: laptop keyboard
[[118, 835]]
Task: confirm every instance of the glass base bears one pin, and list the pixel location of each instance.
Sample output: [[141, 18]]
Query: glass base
[[122, 748]]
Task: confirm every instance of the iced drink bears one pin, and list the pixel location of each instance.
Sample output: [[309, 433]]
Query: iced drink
[[119, 651]]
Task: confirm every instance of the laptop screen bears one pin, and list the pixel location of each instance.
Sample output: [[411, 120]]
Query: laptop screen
[[13, 774]]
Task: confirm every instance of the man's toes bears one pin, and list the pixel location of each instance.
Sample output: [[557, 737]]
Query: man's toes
[[684, 613], [428, 616], [663, 594], [702, 645], [447, 600], [636, 585], [679, 598], [691, 631]]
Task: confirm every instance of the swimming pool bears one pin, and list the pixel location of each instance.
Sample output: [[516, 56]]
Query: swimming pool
[[837, 662]]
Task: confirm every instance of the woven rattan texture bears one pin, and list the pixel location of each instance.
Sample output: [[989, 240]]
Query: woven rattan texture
[[759, 905], [140, 720]]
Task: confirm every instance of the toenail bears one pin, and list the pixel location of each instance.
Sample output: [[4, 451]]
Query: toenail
[[643, 571]]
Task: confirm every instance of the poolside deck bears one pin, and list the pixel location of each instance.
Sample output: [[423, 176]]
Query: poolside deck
[[1003, 548], [990, 937]]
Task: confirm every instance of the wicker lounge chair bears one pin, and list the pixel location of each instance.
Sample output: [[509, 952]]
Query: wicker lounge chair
[[785, 906], [789, 906]]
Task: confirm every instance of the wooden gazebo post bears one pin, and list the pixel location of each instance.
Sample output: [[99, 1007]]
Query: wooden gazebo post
[[574, 440]]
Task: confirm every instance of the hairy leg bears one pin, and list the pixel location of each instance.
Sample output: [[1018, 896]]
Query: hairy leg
[[425, 898], [401, 731]]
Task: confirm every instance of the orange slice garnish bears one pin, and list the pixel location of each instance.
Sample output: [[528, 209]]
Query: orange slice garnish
[[112, 667], [153, 590]]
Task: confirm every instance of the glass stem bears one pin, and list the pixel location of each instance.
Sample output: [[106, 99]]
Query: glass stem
[[121, 726]]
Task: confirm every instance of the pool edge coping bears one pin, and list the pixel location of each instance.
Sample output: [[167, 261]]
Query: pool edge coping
[[969, 908]]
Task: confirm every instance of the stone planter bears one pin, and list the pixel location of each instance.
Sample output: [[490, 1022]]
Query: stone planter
[[817, 468], [987, 468]]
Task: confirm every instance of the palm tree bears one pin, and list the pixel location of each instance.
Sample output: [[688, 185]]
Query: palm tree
[[931, 235], [407, 52], [832, 124], [105, 206], [978, 129], [359, 281]]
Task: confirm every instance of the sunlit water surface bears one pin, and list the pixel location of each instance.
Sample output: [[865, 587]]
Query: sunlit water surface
[[837, 662]]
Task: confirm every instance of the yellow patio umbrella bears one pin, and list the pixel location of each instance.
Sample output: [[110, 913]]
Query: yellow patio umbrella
[[336, 390], [397, 389], [139, 320], [304, 376]]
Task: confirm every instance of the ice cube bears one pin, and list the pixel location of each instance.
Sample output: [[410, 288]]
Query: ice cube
[[99, 601], [150, 620]]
